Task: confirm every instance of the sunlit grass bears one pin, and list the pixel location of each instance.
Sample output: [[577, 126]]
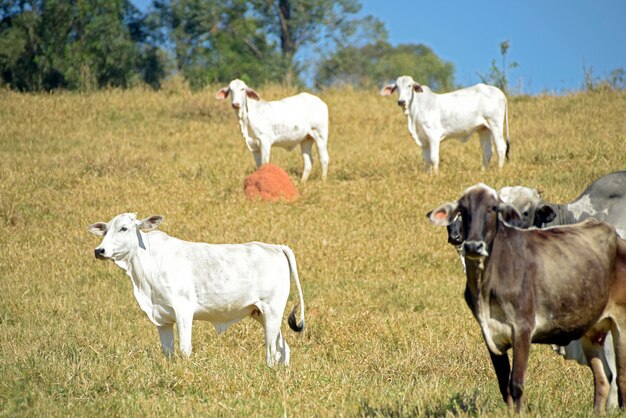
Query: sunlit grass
[[387, 331]]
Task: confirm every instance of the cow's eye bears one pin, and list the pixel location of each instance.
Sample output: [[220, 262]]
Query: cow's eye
[[123, 229]]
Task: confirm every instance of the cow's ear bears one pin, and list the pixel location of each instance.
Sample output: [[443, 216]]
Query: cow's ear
[[99, 228], [222, 93], [417, 88], [543, 215], [150, 223], [388, 90], [509, 215], [444, 214], [252, 94]]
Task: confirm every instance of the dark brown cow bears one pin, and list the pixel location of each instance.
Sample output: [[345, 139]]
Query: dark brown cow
[[546, 286]]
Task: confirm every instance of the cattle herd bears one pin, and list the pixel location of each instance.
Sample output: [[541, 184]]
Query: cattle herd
[[536, 272]]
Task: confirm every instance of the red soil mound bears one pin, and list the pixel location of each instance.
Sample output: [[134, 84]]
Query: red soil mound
[[270, 182]]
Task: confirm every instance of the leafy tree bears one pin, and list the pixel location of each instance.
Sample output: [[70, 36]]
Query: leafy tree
[[308, 23], [47, 44], [256, 40], [215, 40], [377, 63]]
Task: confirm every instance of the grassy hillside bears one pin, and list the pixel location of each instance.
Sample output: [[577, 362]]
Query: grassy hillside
[[387, 331]]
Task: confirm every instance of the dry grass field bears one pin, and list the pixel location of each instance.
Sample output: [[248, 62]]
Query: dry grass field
[[388, 332]]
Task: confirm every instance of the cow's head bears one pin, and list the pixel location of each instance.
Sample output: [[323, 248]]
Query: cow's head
[[533, 209], [406, 87], [476, 215], [239, 92], [121, 235]]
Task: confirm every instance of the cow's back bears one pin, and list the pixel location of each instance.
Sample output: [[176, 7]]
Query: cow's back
[[558, 270], [572, 266], [310, 107], [468, 108]]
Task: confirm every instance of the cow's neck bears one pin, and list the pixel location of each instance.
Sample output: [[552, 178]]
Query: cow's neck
[[478, 287], [140, 266], [422, 104], [247, 113]]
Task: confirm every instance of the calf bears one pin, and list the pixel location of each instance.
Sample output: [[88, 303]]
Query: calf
[[301, 119], [434, 117], [176, 281], [540, 286]]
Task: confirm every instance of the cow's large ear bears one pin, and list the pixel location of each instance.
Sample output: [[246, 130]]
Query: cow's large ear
[[543, 215], [99, 228], [417, 88], [222, 93], [444, 214], [388, 90], [150, 223], [252, 94], [509, 215]]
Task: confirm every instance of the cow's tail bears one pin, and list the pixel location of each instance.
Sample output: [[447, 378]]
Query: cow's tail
[[508, 138], [293, 267]]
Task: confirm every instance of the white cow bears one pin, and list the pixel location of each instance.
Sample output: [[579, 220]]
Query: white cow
[[300, 119], [434, 117], [176, 281]]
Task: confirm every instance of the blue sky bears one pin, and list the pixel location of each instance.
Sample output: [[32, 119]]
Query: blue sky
[[551, 40]]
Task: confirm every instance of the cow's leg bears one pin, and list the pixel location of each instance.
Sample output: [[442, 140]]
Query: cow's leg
[[500, 143], [593, 354], [266, 147], [166, 334], [503, 372], [608, 361], [257, 157], [521, 352], [306, 147], [184, 322], [619, 343], [434, 155], [271, 325], [282, 349], [485, 142], [322, 150]]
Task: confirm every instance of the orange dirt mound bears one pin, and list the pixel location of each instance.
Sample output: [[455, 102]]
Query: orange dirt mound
[[270, 182]]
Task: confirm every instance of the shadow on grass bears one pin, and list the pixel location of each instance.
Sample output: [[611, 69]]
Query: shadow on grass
[[459, 404]]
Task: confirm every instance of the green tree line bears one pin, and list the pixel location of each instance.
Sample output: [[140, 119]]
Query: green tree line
[[90, 44]]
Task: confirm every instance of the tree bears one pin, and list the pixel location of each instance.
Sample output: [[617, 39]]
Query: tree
[[306, 23], [216, 41], [48, 44], [377, 63], [256, 40], [497, 76]]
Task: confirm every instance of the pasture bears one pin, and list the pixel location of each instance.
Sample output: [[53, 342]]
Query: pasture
[[388, 332]]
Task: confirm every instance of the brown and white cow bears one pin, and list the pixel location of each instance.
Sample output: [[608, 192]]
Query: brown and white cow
[[546, 286]]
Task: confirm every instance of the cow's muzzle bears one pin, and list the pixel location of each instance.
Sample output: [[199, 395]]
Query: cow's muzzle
[[99, 253], [236, 106], [474, 249], [401, 103]]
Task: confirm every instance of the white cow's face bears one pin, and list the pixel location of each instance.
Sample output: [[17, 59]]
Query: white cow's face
[[406, 87], [121, 235], [239, 92]]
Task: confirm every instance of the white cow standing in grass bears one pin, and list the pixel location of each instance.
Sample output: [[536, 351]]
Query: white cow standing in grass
[[434, 117], [176, 281], [300, 119]]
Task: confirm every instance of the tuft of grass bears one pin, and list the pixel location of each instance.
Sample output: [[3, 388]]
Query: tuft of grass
[[388, 333]]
